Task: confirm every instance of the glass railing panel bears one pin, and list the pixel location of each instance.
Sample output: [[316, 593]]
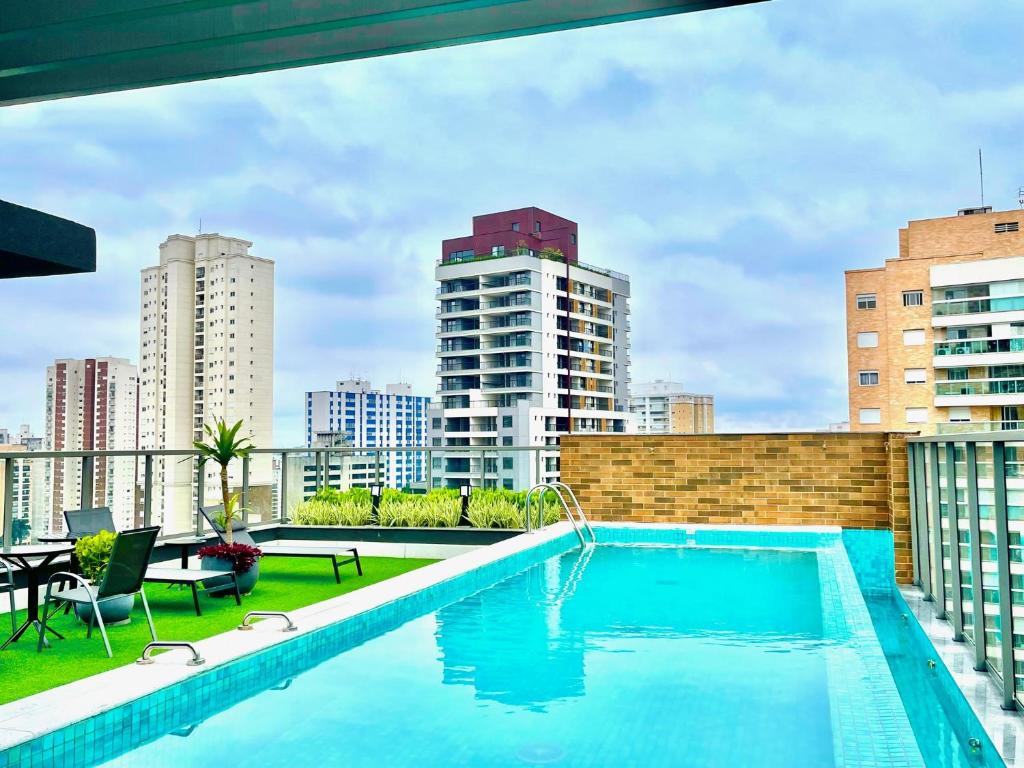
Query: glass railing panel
[[945, 528]]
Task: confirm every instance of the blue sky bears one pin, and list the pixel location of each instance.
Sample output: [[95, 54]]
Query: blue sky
[[734, 163]]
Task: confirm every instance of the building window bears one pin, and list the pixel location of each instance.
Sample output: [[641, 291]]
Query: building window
[[866, 301], [536, 226], [913, 298], [506, 462], [917, 415], [868, 378], [572, 238], [914, 375], [867, 339], [1008, 226], [515, 226], [913, 338], [870, 415], [960, 413], [506, 422]]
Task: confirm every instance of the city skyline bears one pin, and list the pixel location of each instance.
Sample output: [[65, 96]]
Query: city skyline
[[344, 175]]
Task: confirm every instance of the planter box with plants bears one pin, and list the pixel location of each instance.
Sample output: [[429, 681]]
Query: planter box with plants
[[439, 508]]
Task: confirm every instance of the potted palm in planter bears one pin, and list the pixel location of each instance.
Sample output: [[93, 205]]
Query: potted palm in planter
[[93, 553], [222, 446]]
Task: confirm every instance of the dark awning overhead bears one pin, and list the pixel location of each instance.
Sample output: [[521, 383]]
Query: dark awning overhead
[[56, 48], [33, 243]]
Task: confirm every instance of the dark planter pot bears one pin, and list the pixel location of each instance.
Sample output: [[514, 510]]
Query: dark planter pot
[[221, 587], [116, 611]]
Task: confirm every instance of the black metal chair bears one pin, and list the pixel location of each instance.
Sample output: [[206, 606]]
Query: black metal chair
[[7, 585], [124, 575], [240, 535], [88, 522]]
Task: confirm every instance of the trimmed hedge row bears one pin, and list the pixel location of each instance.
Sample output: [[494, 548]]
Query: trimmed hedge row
[[439, 508]]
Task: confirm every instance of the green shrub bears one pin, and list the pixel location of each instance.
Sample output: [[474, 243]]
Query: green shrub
[[438, 508], [332, 507], [93, 553]]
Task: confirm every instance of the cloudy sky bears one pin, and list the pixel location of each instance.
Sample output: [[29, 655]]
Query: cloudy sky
[[734, 163]]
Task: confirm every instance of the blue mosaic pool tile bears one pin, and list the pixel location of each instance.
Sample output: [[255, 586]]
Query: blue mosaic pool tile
[[869, 723], [873, 559]]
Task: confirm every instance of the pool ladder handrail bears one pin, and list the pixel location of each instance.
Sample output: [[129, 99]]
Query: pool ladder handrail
[[554, 487], [156, 645], [246, 624], [579, 510]]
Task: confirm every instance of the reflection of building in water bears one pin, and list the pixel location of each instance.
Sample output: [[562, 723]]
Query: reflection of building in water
[[508, 655], [533, 656]]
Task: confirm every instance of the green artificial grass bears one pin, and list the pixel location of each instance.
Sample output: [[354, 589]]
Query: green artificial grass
[[285, 584]]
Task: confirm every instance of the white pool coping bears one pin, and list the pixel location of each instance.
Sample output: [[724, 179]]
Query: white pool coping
[[1005, 729], [51, 710]]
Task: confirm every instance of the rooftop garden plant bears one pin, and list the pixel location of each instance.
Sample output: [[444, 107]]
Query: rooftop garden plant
[[242, 557], [439, 508], [93, 553], [221, 446]]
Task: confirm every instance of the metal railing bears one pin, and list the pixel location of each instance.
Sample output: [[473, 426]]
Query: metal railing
[[270, 481], [967, 532]]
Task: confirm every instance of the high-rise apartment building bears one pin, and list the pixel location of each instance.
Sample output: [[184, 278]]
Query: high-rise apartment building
[[355, 414], [664, 407], [28, 481], [207, 352], [91, 405], [935, 338], [532, 343]]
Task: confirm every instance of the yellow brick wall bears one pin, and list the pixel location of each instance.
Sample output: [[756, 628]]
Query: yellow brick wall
[[854, 480]]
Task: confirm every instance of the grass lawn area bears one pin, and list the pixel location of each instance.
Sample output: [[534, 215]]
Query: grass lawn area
[[285, 584]]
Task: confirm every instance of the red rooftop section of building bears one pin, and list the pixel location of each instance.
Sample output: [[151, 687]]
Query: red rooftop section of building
[[501, 233]]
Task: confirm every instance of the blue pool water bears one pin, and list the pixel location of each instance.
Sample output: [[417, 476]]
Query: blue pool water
[[941, 724], [628, 655]]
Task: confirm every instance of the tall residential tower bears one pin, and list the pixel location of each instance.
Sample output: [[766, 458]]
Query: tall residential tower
[[207, 352], [91, 405], [935, 338], [532, 343]]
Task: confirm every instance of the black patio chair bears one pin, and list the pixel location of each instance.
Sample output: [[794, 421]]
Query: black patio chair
[[124, 575], [7, 585], [88, 522], [240, 535]]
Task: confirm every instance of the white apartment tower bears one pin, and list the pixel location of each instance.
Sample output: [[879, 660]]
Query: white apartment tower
[[91, 405], [207, 352], [532, 344], [355, 414]]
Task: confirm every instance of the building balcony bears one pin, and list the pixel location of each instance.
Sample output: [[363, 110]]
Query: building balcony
[[970, 427]]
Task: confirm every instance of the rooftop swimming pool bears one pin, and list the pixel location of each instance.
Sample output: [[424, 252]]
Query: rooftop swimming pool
[[658, 647]]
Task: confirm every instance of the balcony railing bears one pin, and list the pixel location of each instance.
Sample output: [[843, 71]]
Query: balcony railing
[[271, 481], [976, 306], [978, 346], [970, 427], [967, 535], [980, 387]]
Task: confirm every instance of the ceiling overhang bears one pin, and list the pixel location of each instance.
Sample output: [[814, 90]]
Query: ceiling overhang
[[33, 243], [53, 49]]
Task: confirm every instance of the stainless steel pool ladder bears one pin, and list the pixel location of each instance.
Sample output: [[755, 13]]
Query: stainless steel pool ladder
[[157, 645], [247, 623], [578, 525]]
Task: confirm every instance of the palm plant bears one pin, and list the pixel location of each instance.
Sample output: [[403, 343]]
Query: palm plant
[[223, 445]]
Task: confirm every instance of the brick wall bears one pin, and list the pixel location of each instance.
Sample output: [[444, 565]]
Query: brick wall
[[854, 480]]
